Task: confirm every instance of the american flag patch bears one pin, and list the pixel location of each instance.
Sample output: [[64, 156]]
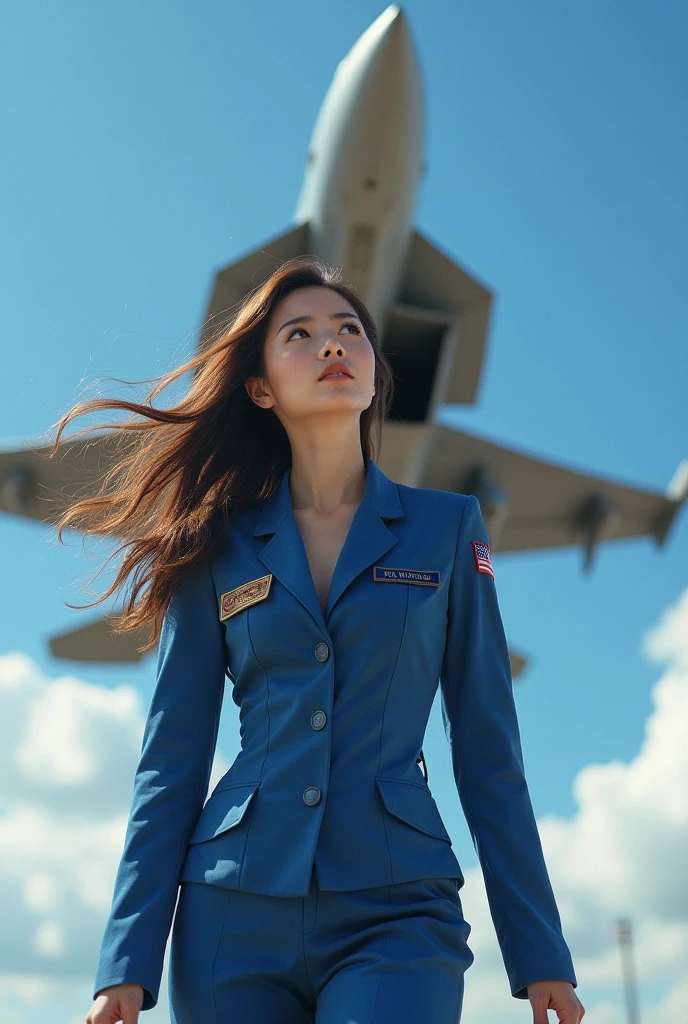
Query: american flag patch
[[481, 553]]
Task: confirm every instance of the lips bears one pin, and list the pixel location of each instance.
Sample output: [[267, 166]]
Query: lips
[[335, 368]]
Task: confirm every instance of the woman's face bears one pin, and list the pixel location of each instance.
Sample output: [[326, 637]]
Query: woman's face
[[309, 330]]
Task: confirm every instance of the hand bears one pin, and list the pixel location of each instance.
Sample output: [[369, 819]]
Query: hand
[[554, 995], [116, 1003]]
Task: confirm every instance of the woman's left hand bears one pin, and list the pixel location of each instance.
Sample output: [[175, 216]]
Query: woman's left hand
[[554, 995]]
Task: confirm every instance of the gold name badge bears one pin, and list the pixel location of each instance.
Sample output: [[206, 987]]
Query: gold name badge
[[241, 597]]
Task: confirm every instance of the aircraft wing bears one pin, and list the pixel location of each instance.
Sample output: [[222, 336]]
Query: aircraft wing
[[37, 486], [530, 503]]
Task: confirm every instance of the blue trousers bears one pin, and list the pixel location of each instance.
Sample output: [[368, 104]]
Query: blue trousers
[[394, 954]]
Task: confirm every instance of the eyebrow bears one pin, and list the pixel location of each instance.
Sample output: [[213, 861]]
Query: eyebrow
[[307, 319]]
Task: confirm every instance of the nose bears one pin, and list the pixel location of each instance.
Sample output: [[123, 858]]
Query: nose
[[332, 346]]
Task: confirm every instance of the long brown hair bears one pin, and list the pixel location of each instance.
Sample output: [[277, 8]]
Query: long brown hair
[[181, 474]]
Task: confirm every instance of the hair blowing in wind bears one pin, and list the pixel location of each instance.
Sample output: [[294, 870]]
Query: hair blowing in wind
[[180, 474]]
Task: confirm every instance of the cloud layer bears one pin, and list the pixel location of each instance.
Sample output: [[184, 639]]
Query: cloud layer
[[68, 754]]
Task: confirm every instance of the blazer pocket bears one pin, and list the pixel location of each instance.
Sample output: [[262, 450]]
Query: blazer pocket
[[413, 803], [223, 810]]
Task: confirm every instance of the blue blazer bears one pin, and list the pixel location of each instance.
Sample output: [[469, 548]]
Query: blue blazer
[[333, 711]]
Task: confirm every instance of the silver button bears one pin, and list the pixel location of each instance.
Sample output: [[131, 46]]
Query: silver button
[[311, 795], [322, 652], [318, 719]]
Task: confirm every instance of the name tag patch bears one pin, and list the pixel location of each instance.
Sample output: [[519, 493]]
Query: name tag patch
[[241, 597], [423, 577]]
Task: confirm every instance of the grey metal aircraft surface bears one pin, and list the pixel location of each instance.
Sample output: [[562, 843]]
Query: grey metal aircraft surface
[[363, 169]]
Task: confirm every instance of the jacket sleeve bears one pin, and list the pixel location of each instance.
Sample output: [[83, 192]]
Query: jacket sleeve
[[170, 787], [480, 723]]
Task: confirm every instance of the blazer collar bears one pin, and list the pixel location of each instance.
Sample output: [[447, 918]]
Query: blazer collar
[[380, 491], [367, 540]]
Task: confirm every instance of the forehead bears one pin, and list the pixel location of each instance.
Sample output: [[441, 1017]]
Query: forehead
[[312, 300]]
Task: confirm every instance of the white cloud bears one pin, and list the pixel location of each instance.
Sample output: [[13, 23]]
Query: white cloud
[[65, 741], [68, 754], [41, 891], [668, 641], [49, 939]]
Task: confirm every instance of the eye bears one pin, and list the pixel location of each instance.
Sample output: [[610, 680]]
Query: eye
[[347, 323]]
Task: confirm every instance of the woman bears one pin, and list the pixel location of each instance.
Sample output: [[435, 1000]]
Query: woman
[[318, 881]]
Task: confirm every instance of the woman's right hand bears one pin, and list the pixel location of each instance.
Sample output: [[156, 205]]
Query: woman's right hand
[[116, 1003]]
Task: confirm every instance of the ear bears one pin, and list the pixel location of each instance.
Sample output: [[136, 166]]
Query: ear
[[257, 393]]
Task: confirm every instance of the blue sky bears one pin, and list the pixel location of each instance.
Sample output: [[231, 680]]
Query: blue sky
[[147, 145]]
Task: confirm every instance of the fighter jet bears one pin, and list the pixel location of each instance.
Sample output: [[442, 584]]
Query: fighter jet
[[363, 169]]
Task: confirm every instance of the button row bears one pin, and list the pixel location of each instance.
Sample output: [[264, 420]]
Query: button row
[[312, 795]]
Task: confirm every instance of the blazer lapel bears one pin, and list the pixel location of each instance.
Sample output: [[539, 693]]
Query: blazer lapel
[[367, 540], [369, 537], [286, 557]]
